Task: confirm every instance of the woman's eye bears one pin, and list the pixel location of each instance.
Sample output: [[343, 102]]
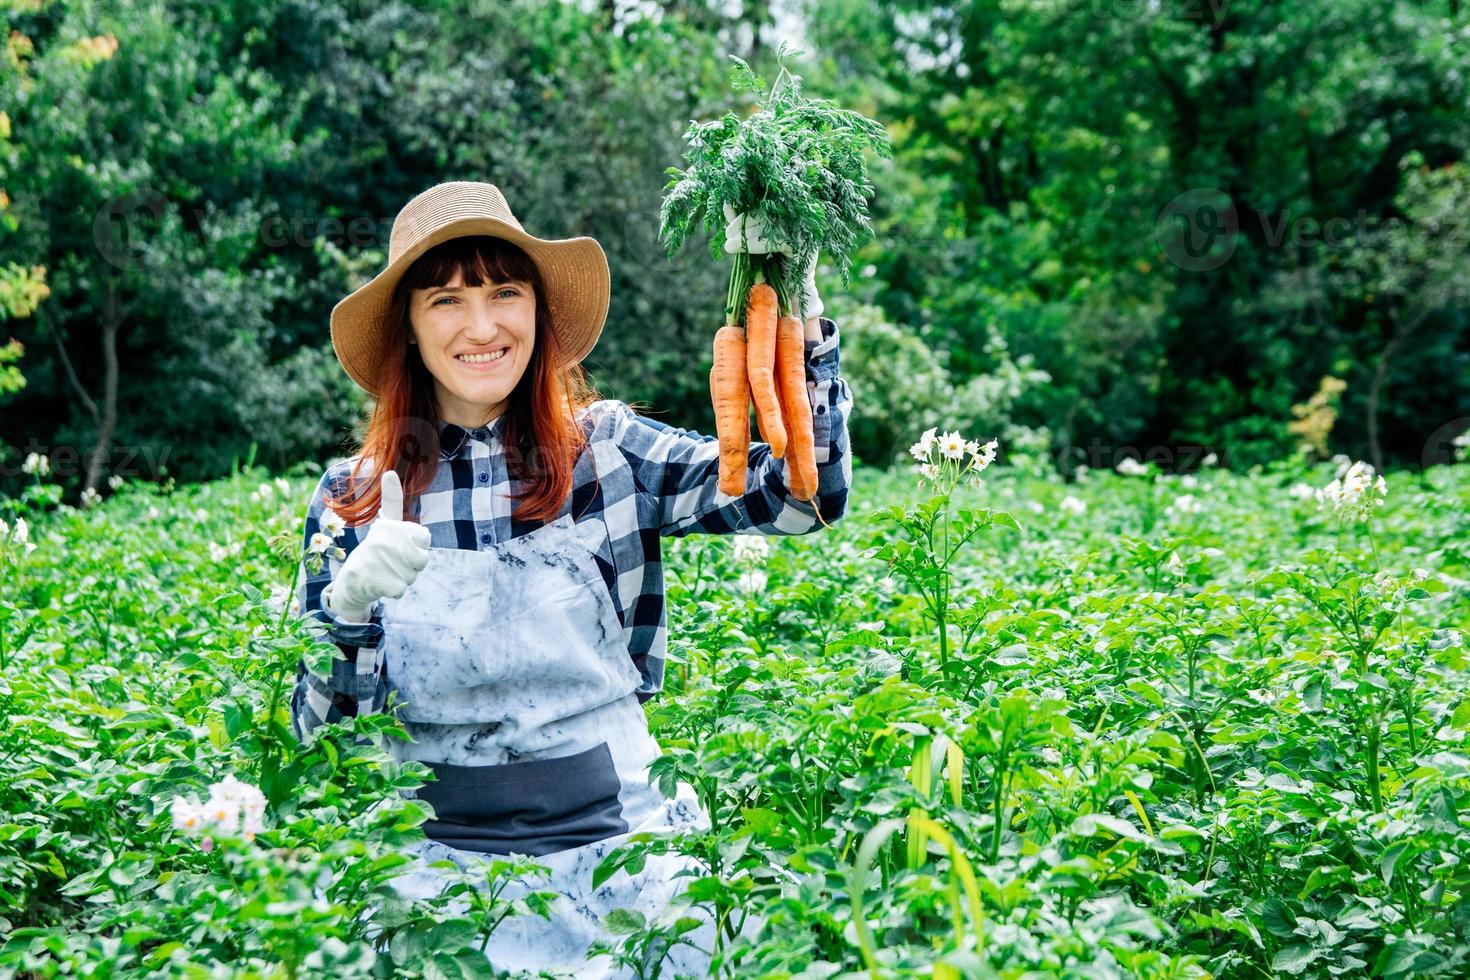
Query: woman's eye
[[499, 294]]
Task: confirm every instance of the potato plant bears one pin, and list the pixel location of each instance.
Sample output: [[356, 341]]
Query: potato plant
[[1015, 729]]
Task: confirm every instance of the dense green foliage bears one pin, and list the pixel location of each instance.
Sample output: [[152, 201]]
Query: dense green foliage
[[1184, 214], [1173, 728], [1188, 211]]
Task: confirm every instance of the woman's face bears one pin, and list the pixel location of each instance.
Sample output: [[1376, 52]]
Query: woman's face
[[476, 341]]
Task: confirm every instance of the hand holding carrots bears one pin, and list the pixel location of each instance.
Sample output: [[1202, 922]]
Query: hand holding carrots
[[746, 233], [794, 162]]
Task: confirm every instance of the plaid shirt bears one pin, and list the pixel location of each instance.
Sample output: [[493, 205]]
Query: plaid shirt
[[644, 478]]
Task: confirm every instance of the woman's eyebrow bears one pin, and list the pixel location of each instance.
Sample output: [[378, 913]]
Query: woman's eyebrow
[[435, 290]]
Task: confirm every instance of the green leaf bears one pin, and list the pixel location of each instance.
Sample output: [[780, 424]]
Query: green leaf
[[623, 922], [1294, 959], [1402, 958], [1278, 918], [1323, 876]]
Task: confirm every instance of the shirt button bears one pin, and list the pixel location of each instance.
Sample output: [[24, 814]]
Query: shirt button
[[485, 538], [484, 477]]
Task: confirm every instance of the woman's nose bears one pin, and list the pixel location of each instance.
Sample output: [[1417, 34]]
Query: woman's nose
[[482, 327]]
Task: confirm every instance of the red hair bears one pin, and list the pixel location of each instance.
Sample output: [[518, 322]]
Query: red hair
[[541, 434]]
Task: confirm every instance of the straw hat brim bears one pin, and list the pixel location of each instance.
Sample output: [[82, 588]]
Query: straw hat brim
[[574, 274]]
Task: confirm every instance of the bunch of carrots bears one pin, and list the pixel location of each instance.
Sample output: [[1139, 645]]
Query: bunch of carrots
[[763, 363], [796, 164]]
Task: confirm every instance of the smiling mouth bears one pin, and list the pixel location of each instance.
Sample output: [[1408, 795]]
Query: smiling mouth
[[486, 358]]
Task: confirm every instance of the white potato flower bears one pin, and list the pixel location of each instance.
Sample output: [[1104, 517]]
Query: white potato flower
[[751, 549], [36, 465], [1072, 505], [1128, 466], [219, 552], [952, 445], [986, 455], [187, 815], [21, 533], [752, 581], [18, 534], [115, 481], [925, 445], [1355, 494], [1186, 503], [332, 523], [233, 807]]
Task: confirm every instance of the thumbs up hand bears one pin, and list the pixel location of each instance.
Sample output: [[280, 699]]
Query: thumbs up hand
[[384, 563]]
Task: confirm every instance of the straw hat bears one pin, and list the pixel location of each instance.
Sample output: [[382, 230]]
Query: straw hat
[[573, 271]]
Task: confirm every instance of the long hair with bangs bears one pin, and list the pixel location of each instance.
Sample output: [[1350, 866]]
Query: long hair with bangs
[[541, 434]]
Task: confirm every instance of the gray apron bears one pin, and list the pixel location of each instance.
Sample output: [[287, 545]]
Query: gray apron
[[514, 681]]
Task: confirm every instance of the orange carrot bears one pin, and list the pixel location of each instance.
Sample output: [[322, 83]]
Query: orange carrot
[[730, 391], [796, 406], [760, 365]]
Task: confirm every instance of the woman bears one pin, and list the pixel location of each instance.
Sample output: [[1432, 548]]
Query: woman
[[509, 590]]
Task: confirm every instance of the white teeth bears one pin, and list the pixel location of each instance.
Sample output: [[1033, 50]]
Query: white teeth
[[481, 358]]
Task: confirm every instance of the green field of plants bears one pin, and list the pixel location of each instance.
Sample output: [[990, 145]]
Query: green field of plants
[[1137, 725]]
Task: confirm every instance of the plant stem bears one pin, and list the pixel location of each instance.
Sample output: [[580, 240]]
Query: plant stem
[[943, 603], [1375, 789]]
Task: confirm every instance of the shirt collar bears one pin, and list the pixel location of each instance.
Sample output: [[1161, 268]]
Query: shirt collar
[[453, 439]]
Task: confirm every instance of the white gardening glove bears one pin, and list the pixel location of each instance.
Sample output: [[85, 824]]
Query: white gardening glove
[[747, 233], [384, 563]]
